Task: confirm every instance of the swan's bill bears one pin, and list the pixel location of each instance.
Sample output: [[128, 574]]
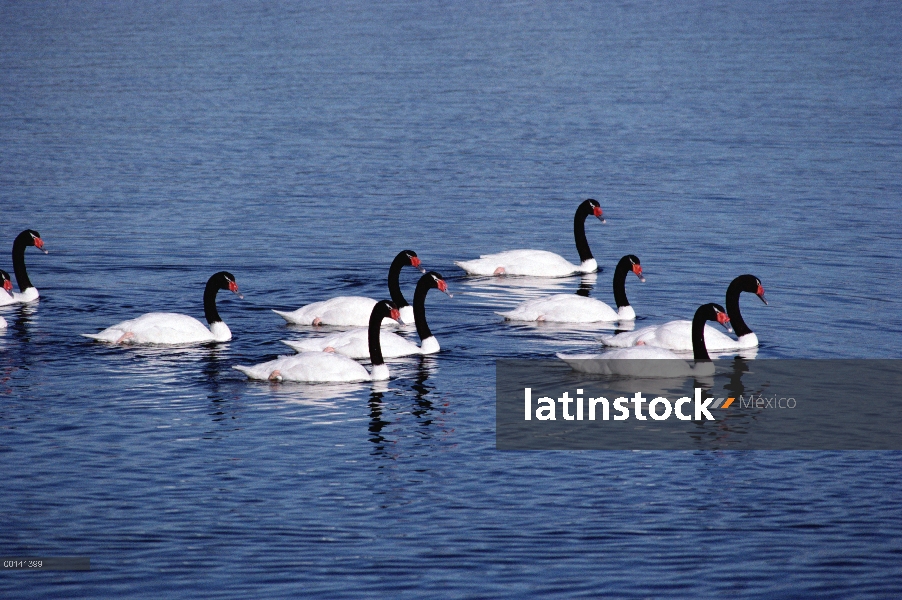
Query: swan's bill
[[443, 287], [599, 213], [637, 269], [760, 293], [39, 243], [233, 287], [724, 320], [415, 263]]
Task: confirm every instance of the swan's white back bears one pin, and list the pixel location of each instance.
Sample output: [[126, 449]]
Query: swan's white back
[[355, 344], [310, 367], [677, 336], [563, 308], [536, 263], [163, 328], [343, 311]]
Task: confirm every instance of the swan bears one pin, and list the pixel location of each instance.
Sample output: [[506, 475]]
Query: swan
[[174, 328], [354, 311], [573, 308], [325, 367], [355, 343], [27, 292], [677, 335], [541, 263], [664, 363], [7, 286]]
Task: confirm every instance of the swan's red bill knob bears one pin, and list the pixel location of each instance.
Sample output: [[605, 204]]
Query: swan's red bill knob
[[415, 262], [760, 293], [8, 286], [598, 213], [233, 287], [443, 287], [395, 314], [637, 269], [39, 244]]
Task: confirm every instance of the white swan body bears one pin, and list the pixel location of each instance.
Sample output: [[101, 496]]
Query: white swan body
[[343, 311], [325, 367], [677, 336], [310, 367], [354, 311], [567, 308], [163, 328], [172, 329], [573, 308], [406, 315], [355, 343], [541, 263], [534, 263], [651, 361], [3, 324]]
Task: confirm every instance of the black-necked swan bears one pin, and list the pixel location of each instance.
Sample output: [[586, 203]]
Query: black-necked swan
[[355, 343], [663, 363], [7, 287], [677, 335], [329, 367], [541, 263], [27, 292], [354, 311], [174, 328], [573, 308]]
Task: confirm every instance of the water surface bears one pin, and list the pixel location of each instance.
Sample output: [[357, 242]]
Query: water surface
[[300, 148]]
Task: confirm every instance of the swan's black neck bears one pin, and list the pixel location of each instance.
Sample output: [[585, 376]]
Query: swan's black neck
[[579, 231], [375, 330], [699, 349], [21, 242], [394, 274], [623, 268], [737, 286], [425, 284], [210, 292]]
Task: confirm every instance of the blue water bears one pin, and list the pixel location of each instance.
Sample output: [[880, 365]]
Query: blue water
[[300, 147]]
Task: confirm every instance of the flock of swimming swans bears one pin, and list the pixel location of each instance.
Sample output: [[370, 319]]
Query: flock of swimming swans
[[333, 358]]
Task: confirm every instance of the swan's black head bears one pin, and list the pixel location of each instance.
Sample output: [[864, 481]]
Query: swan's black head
[[225, 281], [411, 257], [592, 207], [30, 237], [715, 312], [751, 284], [387, 309], [435, 280], [631, 261], [5, 282]]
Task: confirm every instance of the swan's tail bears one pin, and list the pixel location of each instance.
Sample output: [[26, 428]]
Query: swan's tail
[[301, 346], [102, 336], [288, 316], [251, 372]]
